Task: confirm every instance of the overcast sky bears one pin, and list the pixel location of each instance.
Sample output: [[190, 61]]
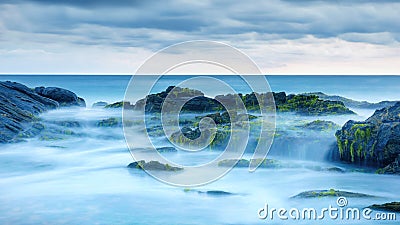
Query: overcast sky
[[281, 36]]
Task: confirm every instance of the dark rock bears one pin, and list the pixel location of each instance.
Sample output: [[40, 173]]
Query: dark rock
[[166, 149], [220, 139], [390, 207], [153, 165], [243, 163], [62, 96], [313, 106], [110, 122], [213, 193], [224, 118], [99, 104], [331, 193], [19, 105], [195, 101], [216, 193], [335, 169], [392, 168], [374, 142]]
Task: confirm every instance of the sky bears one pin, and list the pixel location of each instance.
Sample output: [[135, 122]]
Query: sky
[[281, 36]]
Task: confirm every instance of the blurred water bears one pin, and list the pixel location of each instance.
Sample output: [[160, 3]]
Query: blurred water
[[83, 179]]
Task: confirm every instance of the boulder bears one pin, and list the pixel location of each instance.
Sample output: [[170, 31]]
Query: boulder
[[153, 165], [62, 96], [374, 142], [19, 105]]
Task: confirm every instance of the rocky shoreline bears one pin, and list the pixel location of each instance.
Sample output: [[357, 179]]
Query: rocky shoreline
[[20, 106]]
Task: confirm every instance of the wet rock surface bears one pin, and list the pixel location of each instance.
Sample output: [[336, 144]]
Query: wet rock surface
[[20, 105], [374, 142]]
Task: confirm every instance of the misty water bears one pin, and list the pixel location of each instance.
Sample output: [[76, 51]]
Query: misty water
[[83, 179]]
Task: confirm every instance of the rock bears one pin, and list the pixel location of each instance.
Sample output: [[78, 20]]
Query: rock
[[19, 105], [194, 101], [244, 163], [216, 193], [392, 168], [153, 165], [62, 96], [110, 122], [331, 193], [313, 106], [335, 169], [320, 125], [99, 104], [116, 105], [167, 149], [224, 118], [374, 142], [213, 193], [220, 139], [391, 207]]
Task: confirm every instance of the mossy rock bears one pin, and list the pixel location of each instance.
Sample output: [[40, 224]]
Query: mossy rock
[[264, 163], [331, 193], [320, 125], [391, 207], [153, 165], [110, 122]]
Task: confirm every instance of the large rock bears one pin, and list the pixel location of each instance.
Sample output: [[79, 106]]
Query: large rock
[[19, 106], [307, 105], [374, 142], [194, 101], [62, 96]]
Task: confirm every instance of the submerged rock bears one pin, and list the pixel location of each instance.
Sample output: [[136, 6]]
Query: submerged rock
[[153, 165], [391, 207], [331, 193], [374, 142], [99, 104], [213, 193], [110, 122], [244, 163]]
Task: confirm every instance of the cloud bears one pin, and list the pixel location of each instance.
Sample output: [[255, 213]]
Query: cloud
[[64, 27]]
